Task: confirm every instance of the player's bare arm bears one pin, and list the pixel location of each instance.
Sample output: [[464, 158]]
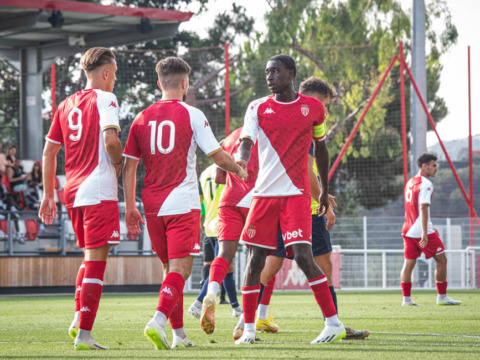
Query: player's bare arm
[[424, 222], [132, 216], [226, 162], [220, 176], [315, 192], [244, 152], [48, 208], [321, 158], [113, 146]]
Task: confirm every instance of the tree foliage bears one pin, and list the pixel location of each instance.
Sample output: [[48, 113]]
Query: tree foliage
[[349, 43]]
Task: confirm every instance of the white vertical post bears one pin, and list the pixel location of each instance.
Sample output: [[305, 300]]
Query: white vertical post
[[430, 277], [463, 269], [474, 270], [365, 260], [467, 268], [384, 269], [449, 233]]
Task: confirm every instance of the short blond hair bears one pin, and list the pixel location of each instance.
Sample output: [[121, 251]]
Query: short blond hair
[[171, 71], [95, 57]]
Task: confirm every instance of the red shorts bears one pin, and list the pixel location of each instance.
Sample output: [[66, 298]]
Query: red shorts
[[175, 236], [96, 225], [412, 249], [231, 220], [267, 214]]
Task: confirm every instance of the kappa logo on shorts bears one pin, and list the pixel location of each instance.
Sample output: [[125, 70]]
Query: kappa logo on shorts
[[251, 231], [304, 109], [196, 247], [439, 249], [167, 290], [85, 309], [115, 234]]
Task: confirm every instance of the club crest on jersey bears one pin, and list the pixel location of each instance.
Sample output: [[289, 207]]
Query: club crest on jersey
[[304, 109], [113, 104], [251, 231]]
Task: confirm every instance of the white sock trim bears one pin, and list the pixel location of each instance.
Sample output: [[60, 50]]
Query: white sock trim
[[213, 288], [249, 327], [263, 311], [92, 281], [333, 321]]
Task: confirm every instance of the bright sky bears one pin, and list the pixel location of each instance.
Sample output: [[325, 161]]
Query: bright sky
[[454, 79]]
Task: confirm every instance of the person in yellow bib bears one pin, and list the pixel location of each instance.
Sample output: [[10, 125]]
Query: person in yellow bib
[[210, 190]]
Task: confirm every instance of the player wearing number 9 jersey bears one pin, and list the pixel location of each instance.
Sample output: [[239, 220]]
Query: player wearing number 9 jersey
[[166, 136], [87, 125]]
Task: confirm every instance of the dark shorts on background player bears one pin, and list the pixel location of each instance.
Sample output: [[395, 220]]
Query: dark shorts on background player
[[175, 236], [209, 248], [321, 243], [412, 249], [231, 220], [96, 225], [267, 214]]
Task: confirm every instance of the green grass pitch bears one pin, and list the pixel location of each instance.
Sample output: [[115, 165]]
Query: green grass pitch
[[36, 328]]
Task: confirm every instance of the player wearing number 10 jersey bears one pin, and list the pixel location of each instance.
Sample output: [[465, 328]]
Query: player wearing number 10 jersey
[[418, 232], [166, 136], [86, 123]]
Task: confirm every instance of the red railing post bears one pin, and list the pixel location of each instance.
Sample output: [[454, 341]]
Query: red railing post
[[470, 155], [227, 92], [404, 117], [359, 122]]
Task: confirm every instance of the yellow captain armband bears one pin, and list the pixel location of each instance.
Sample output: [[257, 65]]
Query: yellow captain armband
[[319, 131]]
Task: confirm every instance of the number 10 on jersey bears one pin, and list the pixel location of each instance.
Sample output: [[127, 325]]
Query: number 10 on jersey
[[156, 136]]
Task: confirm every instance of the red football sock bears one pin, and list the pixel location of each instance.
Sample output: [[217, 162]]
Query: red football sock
[[322, 294], [91, 292], [170, 292], [441, 287], [176, 316], [218, 270], [406, 288], [267, 292], [250, 298], [78, 285]]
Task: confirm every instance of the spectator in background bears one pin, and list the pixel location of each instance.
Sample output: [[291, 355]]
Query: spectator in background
[[11, 154], [16, 176], [34, 178], [3, 162], [34, 185]]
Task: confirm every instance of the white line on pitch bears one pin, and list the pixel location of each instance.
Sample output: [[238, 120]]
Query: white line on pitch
[[427, 334]]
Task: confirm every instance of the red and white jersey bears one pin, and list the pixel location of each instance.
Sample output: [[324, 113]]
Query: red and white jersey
[[419, 190], [166, 135], [238, 192], [284, 132], [78, 124]]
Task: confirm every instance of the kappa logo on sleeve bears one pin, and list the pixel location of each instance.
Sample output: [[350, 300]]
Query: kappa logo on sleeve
[[113, 104], [206, 124]]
